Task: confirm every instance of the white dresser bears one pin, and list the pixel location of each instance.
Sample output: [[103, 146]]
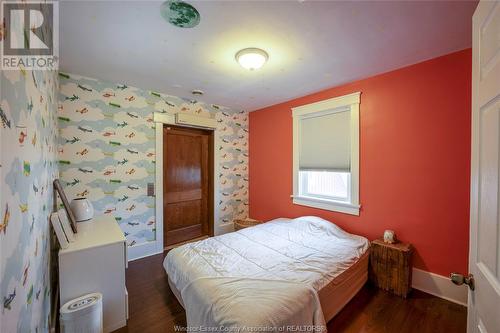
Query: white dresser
[[96, 262]]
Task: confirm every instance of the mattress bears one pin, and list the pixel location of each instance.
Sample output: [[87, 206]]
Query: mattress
[[307, 250], [335, 295]]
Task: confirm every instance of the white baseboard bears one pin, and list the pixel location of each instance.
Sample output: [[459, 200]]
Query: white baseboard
[[142, 250], [439, 286]]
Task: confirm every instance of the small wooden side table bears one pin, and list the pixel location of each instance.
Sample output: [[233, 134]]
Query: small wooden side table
[[390, 266], [245, 223]]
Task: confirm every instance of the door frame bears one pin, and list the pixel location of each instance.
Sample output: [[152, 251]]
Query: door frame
[[160, 120]]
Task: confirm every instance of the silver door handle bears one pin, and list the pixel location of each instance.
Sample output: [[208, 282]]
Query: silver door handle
[[459, 280]]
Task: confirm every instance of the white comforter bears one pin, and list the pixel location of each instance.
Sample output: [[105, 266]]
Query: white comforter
[[251, 305], [308, 252]]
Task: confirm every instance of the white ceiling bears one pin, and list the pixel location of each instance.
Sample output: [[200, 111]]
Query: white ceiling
[[312, 45]]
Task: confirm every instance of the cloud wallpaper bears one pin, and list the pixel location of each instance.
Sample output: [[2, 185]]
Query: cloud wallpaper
[[107, 151], [28, 165], [99, 138]]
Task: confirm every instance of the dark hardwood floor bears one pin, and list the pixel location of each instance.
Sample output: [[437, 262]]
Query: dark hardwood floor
[[153, 307]]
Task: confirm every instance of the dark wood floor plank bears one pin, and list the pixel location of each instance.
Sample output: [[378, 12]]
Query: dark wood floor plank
[[154, 308]]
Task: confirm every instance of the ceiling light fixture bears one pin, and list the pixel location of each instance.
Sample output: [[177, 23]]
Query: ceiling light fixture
[[252, 58]]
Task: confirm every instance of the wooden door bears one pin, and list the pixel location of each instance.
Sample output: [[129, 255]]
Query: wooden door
[[484, 257], [187, 184]]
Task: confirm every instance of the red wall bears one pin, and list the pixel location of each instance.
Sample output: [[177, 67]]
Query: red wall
[[414, 160]]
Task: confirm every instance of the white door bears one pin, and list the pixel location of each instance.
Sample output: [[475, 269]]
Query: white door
[[484, 256]]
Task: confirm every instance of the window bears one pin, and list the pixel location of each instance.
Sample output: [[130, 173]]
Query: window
[[326, 154], [328, 185]]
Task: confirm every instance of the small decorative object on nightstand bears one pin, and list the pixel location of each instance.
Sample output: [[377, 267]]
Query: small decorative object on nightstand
[[389, 236], [390, 266], [245, 223]]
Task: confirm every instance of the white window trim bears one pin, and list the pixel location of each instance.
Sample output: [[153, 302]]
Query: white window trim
[[332, 105]]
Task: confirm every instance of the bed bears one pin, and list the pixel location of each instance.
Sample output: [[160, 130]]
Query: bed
[[300, 271]]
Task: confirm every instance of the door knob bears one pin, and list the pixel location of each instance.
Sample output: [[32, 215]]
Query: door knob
[[459, 280]]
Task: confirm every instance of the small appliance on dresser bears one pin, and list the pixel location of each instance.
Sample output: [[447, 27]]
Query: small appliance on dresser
[[95, 263]]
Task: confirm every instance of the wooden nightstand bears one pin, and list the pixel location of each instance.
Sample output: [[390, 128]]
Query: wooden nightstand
[[245, 223], [390, 266]]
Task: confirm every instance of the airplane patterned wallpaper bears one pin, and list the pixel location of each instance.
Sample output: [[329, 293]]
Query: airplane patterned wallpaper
[[107, 151], [28, 165]]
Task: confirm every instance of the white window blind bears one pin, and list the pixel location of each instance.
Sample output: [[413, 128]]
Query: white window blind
[[325, 142], [326, 154]]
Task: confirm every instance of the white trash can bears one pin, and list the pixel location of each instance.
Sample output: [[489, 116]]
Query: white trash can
[[82, 315]]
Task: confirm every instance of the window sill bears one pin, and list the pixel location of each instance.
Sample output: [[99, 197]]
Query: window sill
[[331, 205]]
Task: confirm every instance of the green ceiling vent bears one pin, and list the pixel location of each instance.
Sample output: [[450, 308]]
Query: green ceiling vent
[[180, 13]]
